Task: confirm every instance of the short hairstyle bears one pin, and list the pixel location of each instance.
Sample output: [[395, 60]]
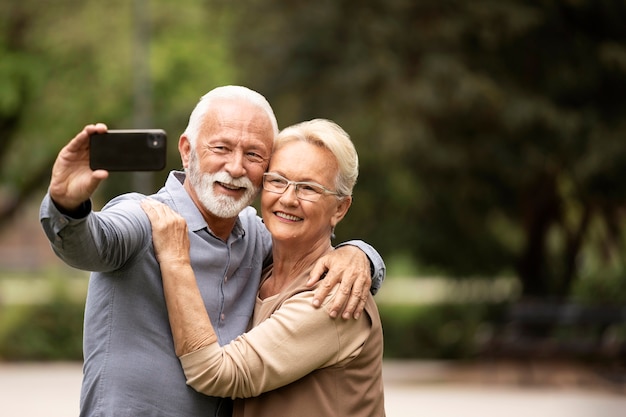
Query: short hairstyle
[[227, 92], [327, 134]]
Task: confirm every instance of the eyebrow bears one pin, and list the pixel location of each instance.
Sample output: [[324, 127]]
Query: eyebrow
[[309, 180], [267, 153]]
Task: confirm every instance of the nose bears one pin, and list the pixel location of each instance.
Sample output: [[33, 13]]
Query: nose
[[234, 165], [288, 197]]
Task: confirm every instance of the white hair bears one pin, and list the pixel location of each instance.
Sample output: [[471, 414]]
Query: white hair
[[228, 92]]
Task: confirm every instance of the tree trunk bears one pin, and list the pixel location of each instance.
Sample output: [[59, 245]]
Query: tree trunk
[[541, 212]]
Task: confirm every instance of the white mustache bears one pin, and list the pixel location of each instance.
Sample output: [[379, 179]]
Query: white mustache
[[224, 177]]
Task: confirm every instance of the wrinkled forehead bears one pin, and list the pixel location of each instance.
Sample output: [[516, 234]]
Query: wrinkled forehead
[[238, 117]]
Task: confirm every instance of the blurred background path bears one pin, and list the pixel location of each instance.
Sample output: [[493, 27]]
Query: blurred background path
[[412, 388]]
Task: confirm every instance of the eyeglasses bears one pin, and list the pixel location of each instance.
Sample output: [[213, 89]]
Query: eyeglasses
[[309, 191]]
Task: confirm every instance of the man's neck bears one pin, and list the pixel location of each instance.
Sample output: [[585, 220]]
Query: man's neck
[[222, 228]]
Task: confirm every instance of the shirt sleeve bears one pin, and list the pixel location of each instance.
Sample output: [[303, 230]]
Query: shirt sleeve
[[377, 265], [102, 241], [296, 340]]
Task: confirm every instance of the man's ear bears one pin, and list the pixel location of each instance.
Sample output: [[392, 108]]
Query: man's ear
[[184, 148], [342, 209]]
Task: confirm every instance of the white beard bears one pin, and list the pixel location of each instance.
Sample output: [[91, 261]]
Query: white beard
[[222, 206]]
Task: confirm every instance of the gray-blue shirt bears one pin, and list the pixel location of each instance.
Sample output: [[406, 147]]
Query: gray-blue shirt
[[130, 368]]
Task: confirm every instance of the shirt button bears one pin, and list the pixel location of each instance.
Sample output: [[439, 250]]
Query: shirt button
[[222, 317]]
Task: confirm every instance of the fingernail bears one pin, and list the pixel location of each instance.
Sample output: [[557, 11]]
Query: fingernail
[[346, 315], [333, 314], [357, 315], [316, 303]]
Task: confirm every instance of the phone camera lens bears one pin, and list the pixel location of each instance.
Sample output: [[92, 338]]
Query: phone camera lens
[[155, 141]]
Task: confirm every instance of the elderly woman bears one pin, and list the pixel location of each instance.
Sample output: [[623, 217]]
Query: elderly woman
[[295, 360]]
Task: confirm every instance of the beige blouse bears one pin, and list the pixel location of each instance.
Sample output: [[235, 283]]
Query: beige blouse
[[294, 341]]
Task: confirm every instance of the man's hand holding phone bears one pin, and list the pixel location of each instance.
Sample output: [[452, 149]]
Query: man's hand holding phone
[[73, 181], [87, 159]]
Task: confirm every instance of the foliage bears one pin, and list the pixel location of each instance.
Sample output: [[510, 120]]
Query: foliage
[[437, 331], [605, 288], [68, 63], [51, 331], [49, 326], [489, 131]]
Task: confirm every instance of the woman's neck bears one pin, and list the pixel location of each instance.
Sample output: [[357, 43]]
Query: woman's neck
[[289, 263]]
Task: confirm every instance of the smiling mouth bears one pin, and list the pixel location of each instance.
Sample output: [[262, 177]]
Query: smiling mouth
[[287, 216], [230, 187]]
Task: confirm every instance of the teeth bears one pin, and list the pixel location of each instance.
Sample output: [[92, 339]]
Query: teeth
[[230, 187], [288, 216]]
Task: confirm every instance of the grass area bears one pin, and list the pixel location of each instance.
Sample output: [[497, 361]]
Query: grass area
[[438, 290], [42, 286]]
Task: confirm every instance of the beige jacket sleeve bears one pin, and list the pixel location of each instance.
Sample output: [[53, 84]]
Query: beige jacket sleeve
[[296, 340]]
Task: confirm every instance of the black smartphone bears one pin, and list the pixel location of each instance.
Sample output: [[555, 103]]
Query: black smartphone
[[128, 150]]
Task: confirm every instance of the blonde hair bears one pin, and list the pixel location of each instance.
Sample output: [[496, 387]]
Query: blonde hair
[[327, 134]]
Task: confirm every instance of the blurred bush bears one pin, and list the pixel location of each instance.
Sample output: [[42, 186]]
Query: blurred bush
[[437, 331], [604, 287], [53, 330], [50, 327], [50, 331], [41, 316]]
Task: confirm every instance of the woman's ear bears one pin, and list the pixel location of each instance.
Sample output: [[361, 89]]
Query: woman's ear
[[342, 208]]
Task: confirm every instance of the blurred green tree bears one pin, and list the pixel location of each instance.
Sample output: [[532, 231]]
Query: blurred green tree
[[68, 63], [490, 132]]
